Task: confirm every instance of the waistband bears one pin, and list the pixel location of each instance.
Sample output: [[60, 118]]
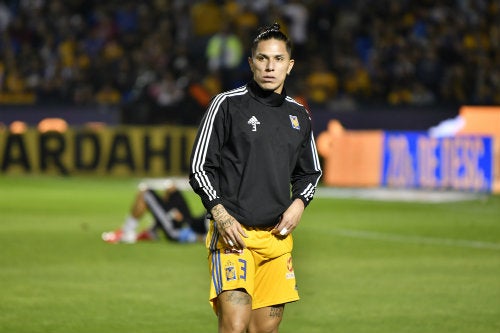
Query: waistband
[[259, 228]]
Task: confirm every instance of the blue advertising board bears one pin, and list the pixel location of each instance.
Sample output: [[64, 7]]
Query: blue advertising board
[[416, 160]]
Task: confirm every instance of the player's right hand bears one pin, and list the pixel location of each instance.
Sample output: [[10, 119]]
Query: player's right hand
[[230, 230]]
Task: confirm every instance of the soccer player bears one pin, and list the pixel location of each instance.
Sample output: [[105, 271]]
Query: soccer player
[[171, 216], [255, 167]]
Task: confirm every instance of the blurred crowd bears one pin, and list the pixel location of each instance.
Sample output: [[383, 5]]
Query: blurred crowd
[[162, 60]]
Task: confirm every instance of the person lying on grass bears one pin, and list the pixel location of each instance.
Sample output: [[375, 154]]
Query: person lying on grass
[[171, 214]]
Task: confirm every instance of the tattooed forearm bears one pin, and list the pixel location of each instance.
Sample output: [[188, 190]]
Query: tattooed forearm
[[276, 311], [222, 217]]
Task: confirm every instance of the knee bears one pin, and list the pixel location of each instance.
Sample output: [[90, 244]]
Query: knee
[[264, 327], [233, 326], [140, 195]]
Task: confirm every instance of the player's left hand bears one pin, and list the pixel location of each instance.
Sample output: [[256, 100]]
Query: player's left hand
[[290, 218]]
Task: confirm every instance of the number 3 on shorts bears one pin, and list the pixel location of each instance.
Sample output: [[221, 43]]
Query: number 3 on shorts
[[243, 269]]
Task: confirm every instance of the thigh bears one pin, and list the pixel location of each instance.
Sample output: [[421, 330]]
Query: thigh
[[234, 310], [230, 270], [266, 319], [155, 204], [275, 282]]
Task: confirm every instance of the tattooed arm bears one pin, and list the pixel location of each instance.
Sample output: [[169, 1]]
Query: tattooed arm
[[229, 229]]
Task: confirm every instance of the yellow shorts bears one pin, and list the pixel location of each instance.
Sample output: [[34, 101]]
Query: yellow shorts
[[264, 269]]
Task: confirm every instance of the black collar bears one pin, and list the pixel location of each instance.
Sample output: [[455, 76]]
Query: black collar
[[266, 97]]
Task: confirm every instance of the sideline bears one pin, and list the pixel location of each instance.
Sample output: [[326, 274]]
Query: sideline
[[398, 238], [403, 195], [182, 183]]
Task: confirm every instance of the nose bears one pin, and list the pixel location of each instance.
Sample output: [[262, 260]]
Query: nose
[[270, 65]]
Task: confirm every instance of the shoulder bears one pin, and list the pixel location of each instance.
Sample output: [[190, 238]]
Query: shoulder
[[220, 102], [297, 106], [230, 94]]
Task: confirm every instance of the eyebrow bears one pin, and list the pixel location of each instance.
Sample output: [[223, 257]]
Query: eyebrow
[[270, 56]]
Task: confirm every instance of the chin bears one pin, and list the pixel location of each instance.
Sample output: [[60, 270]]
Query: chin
[[269, 86]]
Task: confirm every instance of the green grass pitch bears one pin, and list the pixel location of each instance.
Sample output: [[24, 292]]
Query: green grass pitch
[[362, 266]]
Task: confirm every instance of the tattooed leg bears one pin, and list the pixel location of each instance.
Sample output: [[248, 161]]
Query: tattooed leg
[[266, 319], [236, 297], [276, 311], [234, 308]]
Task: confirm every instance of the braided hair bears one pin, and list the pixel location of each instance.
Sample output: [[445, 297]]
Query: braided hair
[[272, 32]]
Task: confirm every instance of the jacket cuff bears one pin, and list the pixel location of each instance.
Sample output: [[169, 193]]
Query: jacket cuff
[[211, 204], [304, 200]]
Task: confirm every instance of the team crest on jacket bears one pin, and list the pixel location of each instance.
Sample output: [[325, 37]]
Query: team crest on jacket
[[254, 122], [295, 122]]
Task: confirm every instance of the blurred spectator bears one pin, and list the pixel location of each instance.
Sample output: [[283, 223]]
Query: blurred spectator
[[206, 17], [357, 81], [322, 83], [5, 17], [166, 94], [14, 82], [323, 17], [224, 54], [399, 95], [420, 95], [297, 14], [108, 95], [245, 19]]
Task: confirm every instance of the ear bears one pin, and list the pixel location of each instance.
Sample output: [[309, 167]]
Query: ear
[[290, 66], [250, 62]]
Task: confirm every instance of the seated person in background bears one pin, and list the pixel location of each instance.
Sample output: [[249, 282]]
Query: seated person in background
[[171, 216]]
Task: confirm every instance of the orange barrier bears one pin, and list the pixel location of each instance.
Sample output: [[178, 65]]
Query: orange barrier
[[484, 120], [351, 158]]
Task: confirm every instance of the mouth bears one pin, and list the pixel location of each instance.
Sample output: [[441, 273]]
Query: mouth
[[268, 78]]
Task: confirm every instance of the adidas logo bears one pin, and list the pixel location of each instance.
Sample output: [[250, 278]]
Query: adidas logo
[[254, 122]]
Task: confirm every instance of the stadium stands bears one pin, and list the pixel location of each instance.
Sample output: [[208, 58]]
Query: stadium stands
[[119, 53]]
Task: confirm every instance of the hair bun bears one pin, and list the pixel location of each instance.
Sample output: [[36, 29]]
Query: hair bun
[[274, 27], [271, 31]]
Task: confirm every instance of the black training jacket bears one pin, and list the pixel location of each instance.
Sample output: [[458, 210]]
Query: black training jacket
[[254, 153]]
